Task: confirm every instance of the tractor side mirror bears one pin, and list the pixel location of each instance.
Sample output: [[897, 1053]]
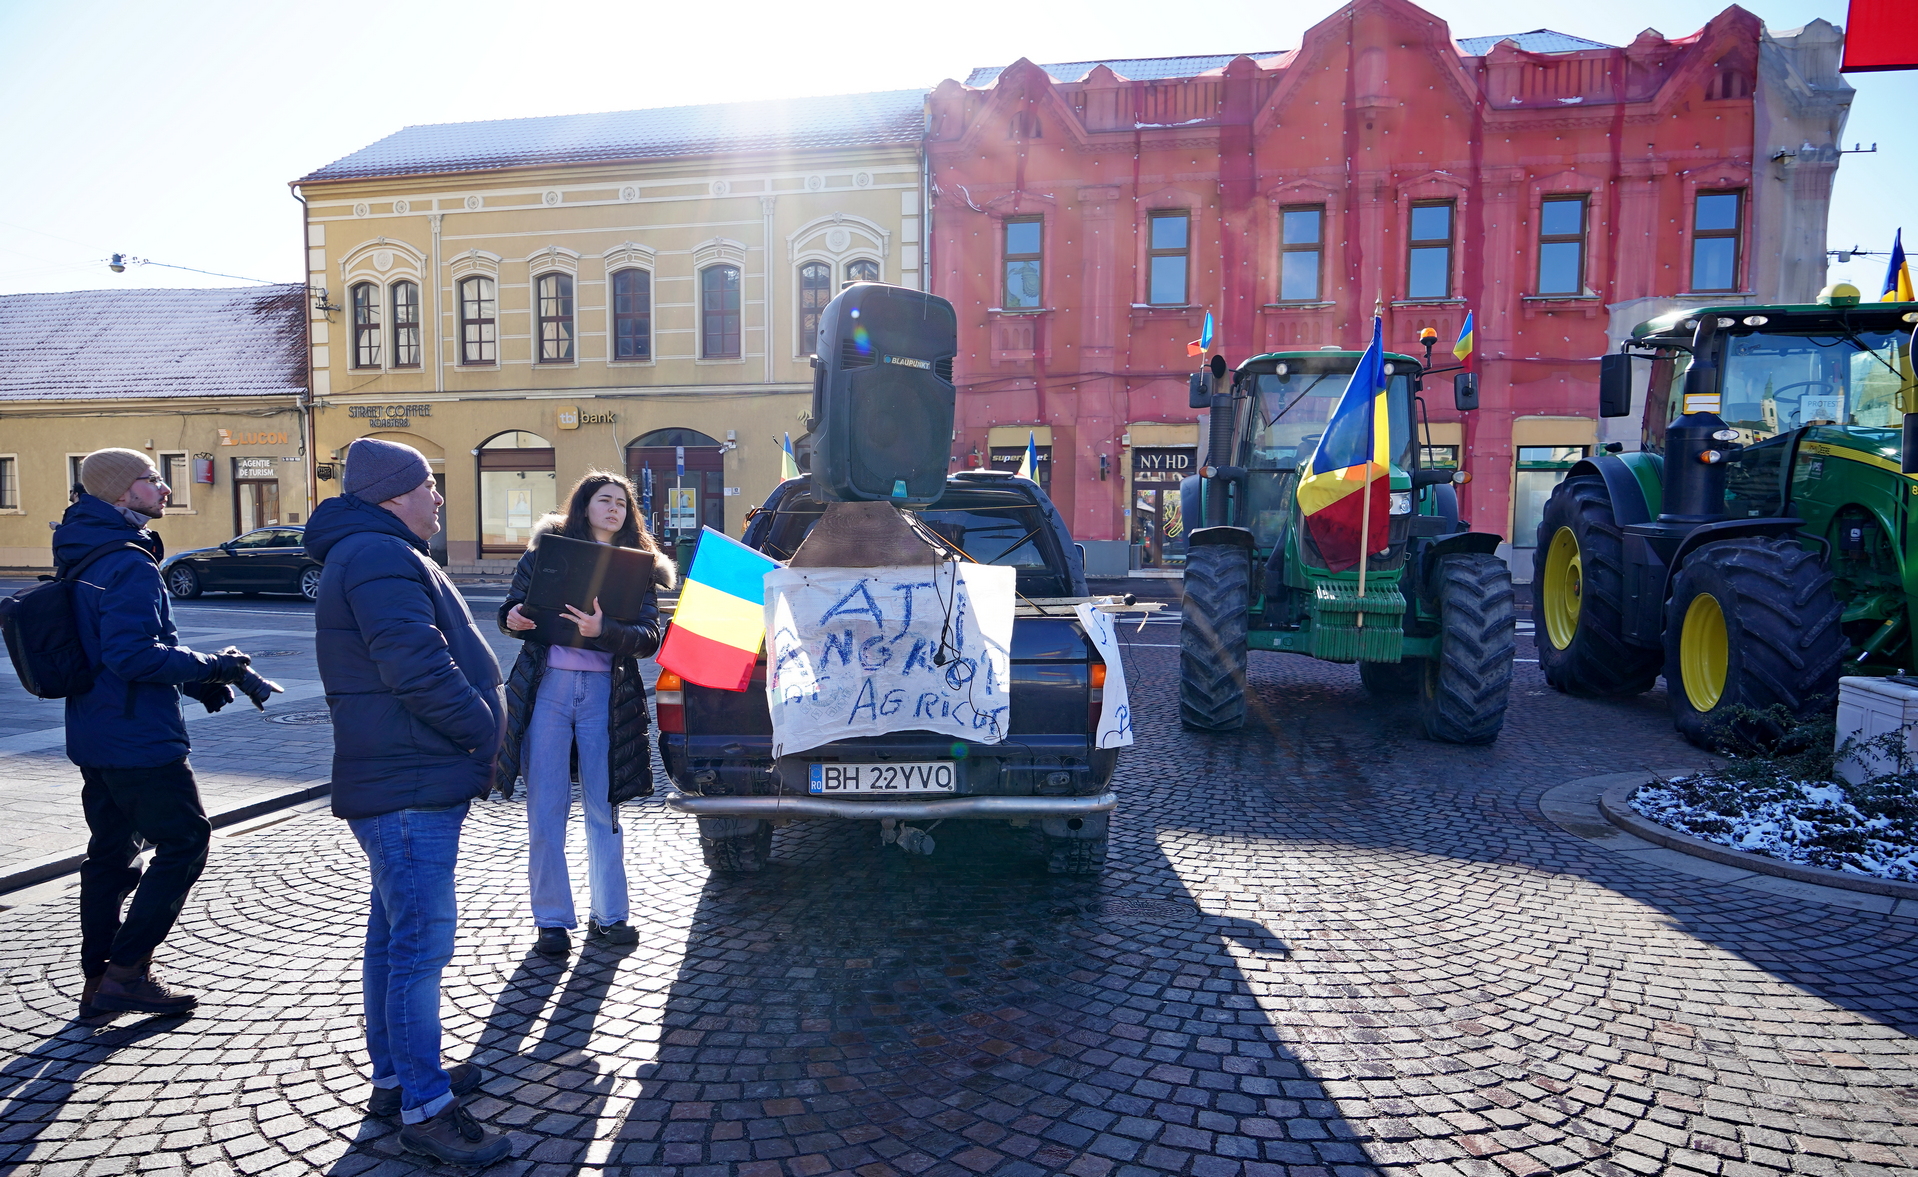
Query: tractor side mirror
[[1615, 386], [1199, 389], [1465, 391]]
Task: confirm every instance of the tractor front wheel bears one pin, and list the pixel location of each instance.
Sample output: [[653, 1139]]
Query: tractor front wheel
[[1752, 624], [1578, 596], [1463, 692], [1212, 653]]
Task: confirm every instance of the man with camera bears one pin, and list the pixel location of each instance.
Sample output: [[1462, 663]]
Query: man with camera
[[128, 735]]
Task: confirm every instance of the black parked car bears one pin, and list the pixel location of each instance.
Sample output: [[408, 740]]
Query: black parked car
[[270, 560]]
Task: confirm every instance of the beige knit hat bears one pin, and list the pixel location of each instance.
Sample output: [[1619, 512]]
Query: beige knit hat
[[107, 474]]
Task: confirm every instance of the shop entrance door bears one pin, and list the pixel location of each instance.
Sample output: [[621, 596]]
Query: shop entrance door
[[654, 463], [1158, 518]]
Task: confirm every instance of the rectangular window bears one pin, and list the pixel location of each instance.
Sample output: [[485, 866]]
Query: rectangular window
[[556, 319], [1715, 224], [1561, 245], [1301, 240], [179, 480], [633, 315], [9, 483], [1429, 266], [1434, 456], [1166, 243], [1540, 469], [719, 293], [1025, 241], [479, 327], [366, 325], [406, 324]]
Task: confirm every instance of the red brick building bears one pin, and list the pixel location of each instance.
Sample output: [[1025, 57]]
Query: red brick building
[[1086, 216]]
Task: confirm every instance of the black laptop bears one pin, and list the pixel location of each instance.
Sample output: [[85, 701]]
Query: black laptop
[[574, 572]]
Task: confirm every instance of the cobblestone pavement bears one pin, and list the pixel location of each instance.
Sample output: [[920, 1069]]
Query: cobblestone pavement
[[1327, 946]]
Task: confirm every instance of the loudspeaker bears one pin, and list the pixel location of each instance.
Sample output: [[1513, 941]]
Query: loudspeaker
[[883, 396]]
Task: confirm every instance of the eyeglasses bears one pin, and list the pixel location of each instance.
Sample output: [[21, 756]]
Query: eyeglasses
[[155, 479]]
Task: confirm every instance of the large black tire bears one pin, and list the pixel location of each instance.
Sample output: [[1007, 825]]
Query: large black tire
[[1781, 642], [310, 582], [1393, 680], [1463, 692], [740, 853], [1076, 856], [1218, 586], [1591, 659], [182, 582]]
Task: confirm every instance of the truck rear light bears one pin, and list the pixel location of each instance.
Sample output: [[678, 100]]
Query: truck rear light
[[669, 695], [1096, 698]]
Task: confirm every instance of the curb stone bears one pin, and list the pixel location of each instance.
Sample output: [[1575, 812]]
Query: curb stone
[[39, 870]]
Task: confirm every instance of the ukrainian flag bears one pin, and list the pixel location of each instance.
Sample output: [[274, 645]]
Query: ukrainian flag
[[720, 622], [788, 465], [1898, 274], [1346, 492], [1463, 348]]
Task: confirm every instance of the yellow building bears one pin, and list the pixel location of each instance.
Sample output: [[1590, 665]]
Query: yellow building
[[207, 383], [527, 299]]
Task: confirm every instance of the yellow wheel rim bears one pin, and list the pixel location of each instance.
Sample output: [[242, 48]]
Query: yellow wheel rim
[[1703, 652], [1564, 582]]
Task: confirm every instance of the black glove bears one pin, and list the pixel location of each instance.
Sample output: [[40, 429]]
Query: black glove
[[228, 666], [258, 689], [208, 695]]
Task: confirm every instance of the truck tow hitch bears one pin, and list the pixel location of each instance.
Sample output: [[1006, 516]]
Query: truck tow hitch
[[911, 839]]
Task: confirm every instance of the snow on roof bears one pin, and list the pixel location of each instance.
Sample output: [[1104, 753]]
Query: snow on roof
[[842, 120], [119, 344], [1536, 41]]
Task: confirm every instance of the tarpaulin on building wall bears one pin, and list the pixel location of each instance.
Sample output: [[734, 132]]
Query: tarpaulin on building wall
[[1880, 35]]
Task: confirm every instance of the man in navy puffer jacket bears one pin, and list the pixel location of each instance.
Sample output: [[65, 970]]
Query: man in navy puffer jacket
[[417, 719]]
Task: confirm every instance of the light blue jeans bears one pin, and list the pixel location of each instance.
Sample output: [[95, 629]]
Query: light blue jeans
[[572, 705], [409, 939]]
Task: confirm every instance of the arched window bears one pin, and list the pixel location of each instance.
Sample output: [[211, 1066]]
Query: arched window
[[676, 504], [632, 315], [815, 291], [406, 324], [719, 304], [556, 318], [479, 329], [366, 325], [862, 270], [517, 488]]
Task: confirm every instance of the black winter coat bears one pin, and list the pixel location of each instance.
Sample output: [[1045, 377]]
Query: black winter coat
[[629, 756], [411, 682]]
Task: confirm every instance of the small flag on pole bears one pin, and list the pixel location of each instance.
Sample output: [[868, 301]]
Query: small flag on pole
[[1029, 463], [1198, 346], [788, 465], [1463, 348], [720, 621], [1897, 274]]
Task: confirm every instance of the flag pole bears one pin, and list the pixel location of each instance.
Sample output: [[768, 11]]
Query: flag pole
[[1371, 444]]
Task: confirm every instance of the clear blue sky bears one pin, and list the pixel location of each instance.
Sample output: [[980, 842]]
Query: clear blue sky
[[169, 130]]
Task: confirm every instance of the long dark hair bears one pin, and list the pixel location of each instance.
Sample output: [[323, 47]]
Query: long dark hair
[[631, 534]]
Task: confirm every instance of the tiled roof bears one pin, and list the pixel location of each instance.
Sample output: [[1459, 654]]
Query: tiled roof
[[842, 120], [1536, 41], [119, 344], [1139, 69]]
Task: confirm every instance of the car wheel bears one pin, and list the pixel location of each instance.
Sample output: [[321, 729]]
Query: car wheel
[[182, 582], [310, 583]]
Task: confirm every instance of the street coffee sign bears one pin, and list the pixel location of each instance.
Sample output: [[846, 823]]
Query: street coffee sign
[[389, 416], [1163, 465], [571, 417]]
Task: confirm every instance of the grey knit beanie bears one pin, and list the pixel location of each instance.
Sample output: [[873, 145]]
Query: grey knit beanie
[[380, 470], [107, 474]]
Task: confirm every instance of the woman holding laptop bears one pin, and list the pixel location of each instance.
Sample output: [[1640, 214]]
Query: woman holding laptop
[[577, 681]]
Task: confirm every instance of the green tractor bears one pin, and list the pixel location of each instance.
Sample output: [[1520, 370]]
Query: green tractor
[[1761, 541], [1430, 613]]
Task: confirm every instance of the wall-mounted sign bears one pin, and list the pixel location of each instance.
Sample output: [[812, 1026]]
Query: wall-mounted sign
[[682, 508], [389, 416], [253, 437], [1163, 465], [323, 471], [255, 468], [571, 417]]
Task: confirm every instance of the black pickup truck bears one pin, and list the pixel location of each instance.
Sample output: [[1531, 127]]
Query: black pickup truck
[[1046, 781]]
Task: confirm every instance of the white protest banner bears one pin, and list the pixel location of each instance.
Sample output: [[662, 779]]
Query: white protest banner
[[1115, 713], [865, 651]]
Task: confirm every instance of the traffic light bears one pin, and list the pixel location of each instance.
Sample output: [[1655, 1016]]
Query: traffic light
[[883, 396]]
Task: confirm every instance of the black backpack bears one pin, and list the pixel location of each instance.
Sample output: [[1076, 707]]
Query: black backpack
[[42, 637]]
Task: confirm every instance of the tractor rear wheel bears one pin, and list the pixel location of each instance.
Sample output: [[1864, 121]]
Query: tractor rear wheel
[[1752, 624], [1578, 596], [1463, 691], [1393, 680], [1212, 654]]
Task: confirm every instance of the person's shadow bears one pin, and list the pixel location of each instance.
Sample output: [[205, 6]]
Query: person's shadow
[[35, 1087]]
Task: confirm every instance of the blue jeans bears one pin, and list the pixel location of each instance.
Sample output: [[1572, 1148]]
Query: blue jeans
[[409, 939], [573, 705]]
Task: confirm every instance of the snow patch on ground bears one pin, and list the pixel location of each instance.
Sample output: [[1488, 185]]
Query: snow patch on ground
[[1867, 829]]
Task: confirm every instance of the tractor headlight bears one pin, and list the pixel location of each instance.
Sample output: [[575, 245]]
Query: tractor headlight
[[1401, 502]]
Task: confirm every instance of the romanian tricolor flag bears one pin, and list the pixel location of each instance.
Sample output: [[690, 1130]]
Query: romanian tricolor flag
[[1897, 274], [1463, 348], [1197, 347], [1348, 476], [721, 619]]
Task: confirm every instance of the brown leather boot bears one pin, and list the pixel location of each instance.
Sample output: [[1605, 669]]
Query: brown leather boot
[[91, 1014], [133, 987], [454, 1137]]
